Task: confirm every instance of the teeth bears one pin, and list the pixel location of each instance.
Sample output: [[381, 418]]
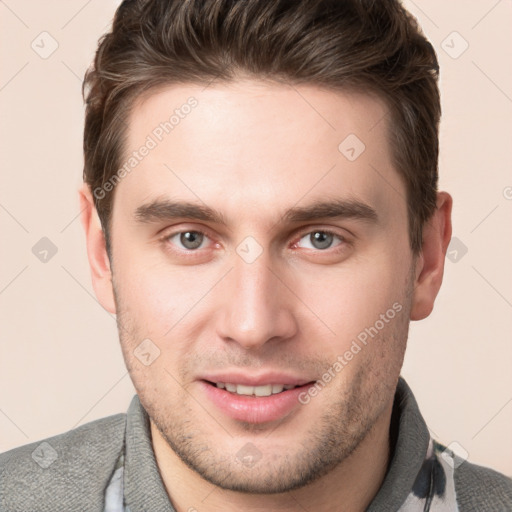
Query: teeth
[[261, 390], [266, 390]]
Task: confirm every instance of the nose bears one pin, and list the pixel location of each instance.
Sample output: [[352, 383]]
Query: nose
[[257, 307]]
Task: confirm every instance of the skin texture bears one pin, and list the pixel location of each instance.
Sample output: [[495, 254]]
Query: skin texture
[[252, 150]]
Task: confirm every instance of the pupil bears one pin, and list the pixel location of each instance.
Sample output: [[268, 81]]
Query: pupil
[[191, 239], [321, 240]]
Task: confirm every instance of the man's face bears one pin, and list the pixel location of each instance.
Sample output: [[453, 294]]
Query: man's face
[[263, 295]]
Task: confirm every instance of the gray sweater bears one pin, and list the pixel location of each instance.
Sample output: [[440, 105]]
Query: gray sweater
[[72, 471]]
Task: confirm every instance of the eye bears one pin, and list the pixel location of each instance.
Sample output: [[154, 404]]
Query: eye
[[321, 239], [189, 240]]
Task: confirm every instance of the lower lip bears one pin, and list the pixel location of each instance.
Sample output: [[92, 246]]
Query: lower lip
[[253, 409]]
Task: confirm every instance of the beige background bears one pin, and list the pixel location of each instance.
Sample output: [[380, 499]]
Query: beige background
[[60, 362]]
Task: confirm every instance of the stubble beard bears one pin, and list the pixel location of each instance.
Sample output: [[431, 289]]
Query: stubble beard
[[336, 434]]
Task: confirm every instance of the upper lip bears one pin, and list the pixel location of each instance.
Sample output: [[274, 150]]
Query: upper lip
[[238, 377]]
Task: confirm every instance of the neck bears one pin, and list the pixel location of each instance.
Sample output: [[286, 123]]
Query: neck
[[350, 486]]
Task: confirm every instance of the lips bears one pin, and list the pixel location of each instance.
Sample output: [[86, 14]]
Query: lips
[[255, 399]]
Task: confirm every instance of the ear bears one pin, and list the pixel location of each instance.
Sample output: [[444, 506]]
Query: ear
[[437, 234], [96, 250]]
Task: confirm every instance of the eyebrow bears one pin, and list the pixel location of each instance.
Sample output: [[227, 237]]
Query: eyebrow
[[166, 210]]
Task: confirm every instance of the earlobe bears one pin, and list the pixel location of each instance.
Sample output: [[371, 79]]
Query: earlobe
[[437, 233], [96, 250]]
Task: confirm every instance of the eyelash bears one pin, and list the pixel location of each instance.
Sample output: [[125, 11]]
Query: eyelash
[[343, 241]]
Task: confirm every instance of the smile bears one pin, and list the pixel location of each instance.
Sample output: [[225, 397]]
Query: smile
[[254, 404]]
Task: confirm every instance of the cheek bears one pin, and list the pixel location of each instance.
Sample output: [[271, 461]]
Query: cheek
[[352, 298], [155, 295], [166, 306], [150, 307]]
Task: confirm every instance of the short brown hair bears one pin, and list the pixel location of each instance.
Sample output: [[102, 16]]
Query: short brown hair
[[368, 45]]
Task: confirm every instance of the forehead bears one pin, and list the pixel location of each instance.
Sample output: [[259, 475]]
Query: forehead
[[250, 142]]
